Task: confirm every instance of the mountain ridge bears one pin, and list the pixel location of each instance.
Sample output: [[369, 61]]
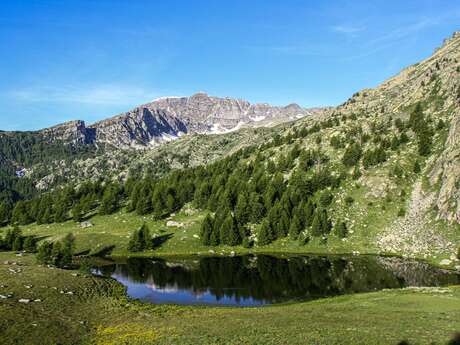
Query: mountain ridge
[[168, 118]]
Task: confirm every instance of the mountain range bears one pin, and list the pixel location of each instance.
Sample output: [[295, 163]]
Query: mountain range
[[168, 118]]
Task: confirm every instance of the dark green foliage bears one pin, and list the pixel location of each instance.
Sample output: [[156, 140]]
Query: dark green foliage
[[13, 239], [229, 233], [206, 230], [422, 129], [242, 209], [266, 234], [321, 224], [401, 212], [352, 155], [336, 142], [59, 253], [374, 157], [140, 239], [441, 125], [416, 168], [5, 213], [295, 228], [340, 229], [30, 244], [349, 200], [325, 198], [77, 212], [110, 199], [44, 252], [403, 138], [17, 244], [356, 173], [21, 214]]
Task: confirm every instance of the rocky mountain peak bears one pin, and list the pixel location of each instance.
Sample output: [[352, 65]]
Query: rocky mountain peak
[[167, 118]]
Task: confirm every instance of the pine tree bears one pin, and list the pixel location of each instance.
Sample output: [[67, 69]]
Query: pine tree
[[266, 235], [242, 209], [321, 224], [110, 200], [309, 213], [158, 203], [77, 213], [295, 228], [340, 229], [17, 244], [5, 213], [60, 212], [44, 252], [206, 230], [29, 244], [229, 234], [140, 239], [11, 236], [257, 208], [352, 155], [20, 214], [56, 254], [68, 246]]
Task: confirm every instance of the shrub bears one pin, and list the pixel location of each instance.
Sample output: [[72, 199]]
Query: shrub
[[349, 200]]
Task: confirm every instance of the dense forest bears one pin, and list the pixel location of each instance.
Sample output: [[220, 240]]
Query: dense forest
[[19, 150]]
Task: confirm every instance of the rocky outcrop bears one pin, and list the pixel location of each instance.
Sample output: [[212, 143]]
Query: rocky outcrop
[[74, 132]]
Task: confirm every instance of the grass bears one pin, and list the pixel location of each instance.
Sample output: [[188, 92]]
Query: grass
[[99, 313]]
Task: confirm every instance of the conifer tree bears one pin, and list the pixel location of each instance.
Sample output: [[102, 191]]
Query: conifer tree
[[321, 224], [266, 235], [77, 213], [29, 244], [257, 211], [309, 213], [206, 230], [17, 244], [110, 200], [340, 229], [242, 209], [20, 214], [352, 155], [5, 213], [295, 228], [44, 252], [140, 239]]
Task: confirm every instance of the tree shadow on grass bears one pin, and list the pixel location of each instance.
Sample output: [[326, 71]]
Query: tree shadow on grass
[[160, 240]]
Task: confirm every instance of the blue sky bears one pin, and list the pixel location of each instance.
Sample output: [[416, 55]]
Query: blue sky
[[77, 59]]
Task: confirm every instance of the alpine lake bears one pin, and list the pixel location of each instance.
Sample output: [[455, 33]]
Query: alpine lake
[[257, 280]]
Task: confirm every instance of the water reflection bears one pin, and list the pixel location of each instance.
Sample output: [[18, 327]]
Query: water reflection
[[257, 280]]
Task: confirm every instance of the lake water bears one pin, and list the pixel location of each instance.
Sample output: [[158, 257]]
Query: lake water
[[255, 280]]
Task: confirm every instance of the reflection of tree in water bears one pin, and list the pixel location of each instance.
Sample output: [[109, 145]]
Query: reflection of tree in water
[[269, 278]]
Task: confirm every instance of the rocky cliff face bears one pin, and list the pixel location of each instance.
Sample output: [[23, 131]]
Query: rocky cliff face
[[168, 118], [74, 132]]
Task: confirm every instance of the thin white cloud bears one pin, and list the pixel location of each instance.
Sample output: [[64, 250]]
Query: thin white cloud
[[101, 94], [347, 29]]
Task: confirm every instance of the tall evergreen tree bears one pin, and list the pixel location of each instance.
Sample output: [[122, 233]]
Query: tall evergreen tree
[[5, 213], [110, 199], [206, 230], [295, 228], [266, 235]]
